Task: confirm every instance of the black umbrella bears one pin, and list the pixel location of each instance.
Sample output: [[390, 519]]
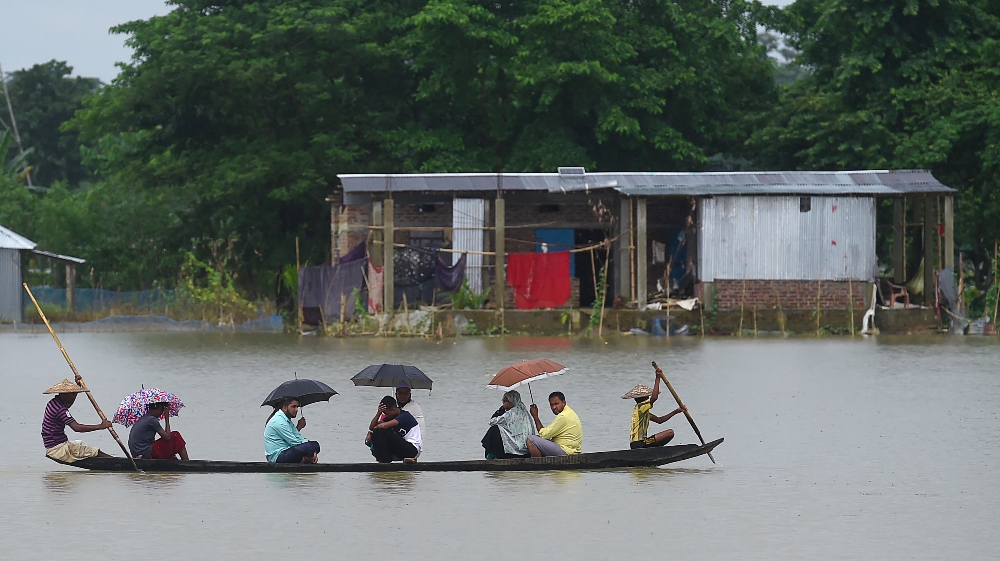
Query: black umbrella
[[306, 391], [389, 375]]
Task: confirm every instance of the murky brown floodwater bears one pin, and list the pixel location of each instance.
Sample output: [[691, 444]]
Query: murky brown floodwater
[[835, 449]]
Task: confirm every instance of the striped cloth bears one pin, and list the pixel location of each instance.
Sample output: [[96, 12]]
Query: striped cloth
[[54, 423]]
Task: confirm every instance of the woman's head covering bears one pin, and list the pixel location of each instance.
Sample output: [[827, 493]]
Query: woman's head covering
[[513, 397]]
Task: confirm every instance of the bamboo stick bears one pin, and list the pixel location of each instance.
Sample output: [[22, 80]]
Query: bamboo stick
[[76, 375], [677, 398]]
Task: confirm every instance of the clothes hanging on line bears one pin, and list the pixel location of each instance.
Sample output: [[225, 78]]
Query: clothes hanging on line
[[358, 252], [540, 280], [449, 277]]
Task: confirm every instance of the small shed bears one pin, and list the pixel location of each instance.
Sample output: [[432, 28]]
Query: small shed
[[12, 250]]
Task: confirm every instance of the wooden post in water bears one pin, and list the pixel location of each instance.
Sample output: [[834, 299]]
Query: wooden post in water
[[898, 240], [388, 239], [949, 232], [298, 304], [500, 254], [930, 232], [819, 295], [641, 260]]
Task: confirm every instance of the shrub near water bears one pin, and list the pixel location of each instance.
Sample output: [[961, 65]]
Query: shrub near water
[[209, 293]]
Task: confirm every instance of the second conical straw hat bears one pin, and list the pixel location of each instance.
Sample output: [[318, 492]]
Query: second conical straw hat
[[638, 391]]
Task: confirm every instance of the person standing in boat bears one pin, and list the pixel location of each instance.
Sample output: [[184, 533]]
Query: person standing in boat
[[394, 434], [142, 441], [509, 430], [55, 420], [406, 403], [563, 436], [283, 443], [642, 414]]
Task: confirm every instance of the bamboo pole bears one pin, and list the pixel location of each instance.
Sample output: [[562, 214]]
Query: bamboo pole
[[850, 302], [995, 281], [343, 305], [755, 321], [819, 295], [77, 377], [742, 304], [677, 398], [298, 305], [701, 311]]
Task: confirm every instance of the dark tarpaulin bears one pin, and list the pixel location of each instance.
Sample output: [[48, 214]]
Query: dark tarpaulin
[[358, 252], [449, 278], [321, 287]]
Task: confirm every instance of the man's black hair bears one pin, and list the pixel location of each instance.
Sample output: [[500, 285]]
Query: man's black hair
[[559, 395], [288, 400], [389, 402]]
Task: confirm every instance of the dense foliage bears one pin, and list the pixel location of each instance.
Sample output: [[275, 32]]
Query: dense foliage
[[897, 84], [44, 97]]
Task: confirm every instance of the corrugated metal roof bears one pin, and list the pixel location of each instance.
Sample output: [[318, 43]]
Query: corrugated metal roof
[[10, 240], [861, 182]]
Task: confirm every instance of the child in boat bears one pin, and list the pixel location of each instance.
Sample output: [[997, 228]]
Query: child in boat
[[141, 441], [642, 414], [57, 445]]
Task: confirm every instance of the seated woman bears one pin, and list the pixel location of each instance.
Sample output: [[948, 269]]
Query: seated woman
[[142, 441], [510, 428]]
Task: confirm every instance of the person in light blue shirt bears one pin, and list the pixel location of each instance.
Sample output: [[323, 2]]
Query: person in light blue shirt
[[283, 443]]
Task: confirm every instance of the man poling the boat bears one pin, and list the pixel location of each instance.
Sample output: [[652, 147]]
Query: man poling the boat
[[57, 445], [642, 414], [563, 436]]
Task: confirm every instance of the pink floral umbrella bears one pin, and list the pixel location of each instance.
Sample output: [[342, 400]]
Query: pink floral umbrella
[[135, 405]]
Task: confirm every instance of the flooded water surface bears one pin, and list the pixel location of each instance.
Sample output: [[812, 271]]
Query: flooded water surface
[[835, 448]]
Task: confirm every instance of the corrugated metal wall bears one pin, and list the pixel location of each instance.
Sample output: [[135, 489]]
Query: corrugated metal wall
[[10, 285], [770, 238], [467, 235]]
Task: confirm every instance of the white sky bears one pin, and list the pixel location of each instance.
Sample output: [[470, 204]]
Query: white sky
[[36, 31]]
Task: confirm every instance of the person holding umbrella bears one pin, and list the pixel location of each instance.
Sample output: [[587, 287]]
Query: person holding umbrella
[[141, 443], [563, 436], [283, 443]]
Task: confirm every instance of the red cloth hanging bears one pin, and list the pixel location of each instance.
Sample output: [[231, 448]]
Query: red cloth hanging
[[540, 280]]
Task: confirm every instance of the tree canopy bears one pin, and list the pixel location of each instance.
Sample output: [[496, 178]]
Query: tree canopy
[[234, 118], [44, 97]]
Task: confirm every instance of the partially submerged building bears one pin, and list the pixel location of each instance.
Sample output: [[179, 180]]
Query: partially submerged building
[[765, 239], [14, 252]]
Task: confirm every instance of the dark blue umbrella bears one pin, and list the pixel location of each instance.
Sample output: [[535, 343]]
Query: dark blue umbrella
[[306, 391], [389, 375]]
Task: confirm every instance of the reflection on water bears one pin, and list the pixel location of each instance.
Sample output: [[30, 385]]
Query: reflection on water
[[833, 451], [393, 482]]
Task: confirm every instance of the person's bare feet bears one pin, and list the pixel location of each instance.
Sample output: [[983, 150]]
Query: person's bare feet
[[314, 459]]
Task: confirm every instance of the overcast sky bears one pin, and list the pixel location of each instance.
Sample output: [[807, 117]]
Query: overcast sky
[[35, 31]]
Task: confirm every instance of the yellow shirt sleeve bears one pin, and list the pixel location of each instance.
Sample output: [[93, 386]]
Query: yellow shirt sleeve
[[555, 428]]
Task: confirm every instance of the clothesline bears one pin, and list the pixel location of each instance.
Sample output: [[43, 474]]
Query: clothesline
[[488, 253]]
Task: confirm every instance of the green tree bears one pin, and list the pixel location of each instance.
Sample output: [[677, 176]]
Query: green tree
[[895, 84], [44, 97], [233, 118]]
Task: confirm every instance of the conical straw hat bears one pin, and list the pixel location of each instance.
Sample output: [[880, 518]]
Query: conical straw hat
[[65, 387], [638, 391]]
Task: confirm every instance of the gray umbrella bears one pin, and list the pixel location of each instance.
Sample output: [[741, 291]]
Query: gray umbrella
[[389, 375], [306, 391]]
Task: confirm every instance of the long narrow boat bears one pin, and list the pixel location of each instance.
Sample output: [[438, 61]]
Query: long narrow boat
[[644, 457]]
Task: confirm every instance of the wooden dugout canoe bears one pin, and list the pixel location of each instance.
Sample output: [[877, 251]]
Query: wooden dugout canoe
[[644, 457]]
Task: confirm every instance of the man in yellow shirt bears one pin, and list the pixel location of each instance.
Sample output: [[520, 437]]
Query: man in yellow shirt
[[563, 436], [641, 415]]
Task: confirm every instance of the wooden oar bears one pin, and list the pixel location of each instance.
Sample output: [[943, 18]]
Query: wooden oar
[[77, 376], [677, 398]]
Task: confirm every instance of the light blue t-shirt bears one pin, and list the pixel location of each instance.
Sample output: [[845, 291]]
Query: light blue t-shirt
[[280, 435]]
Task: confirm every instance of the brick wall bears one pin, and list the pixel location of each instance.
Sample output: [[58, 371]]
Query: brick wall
[[791, 294]]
